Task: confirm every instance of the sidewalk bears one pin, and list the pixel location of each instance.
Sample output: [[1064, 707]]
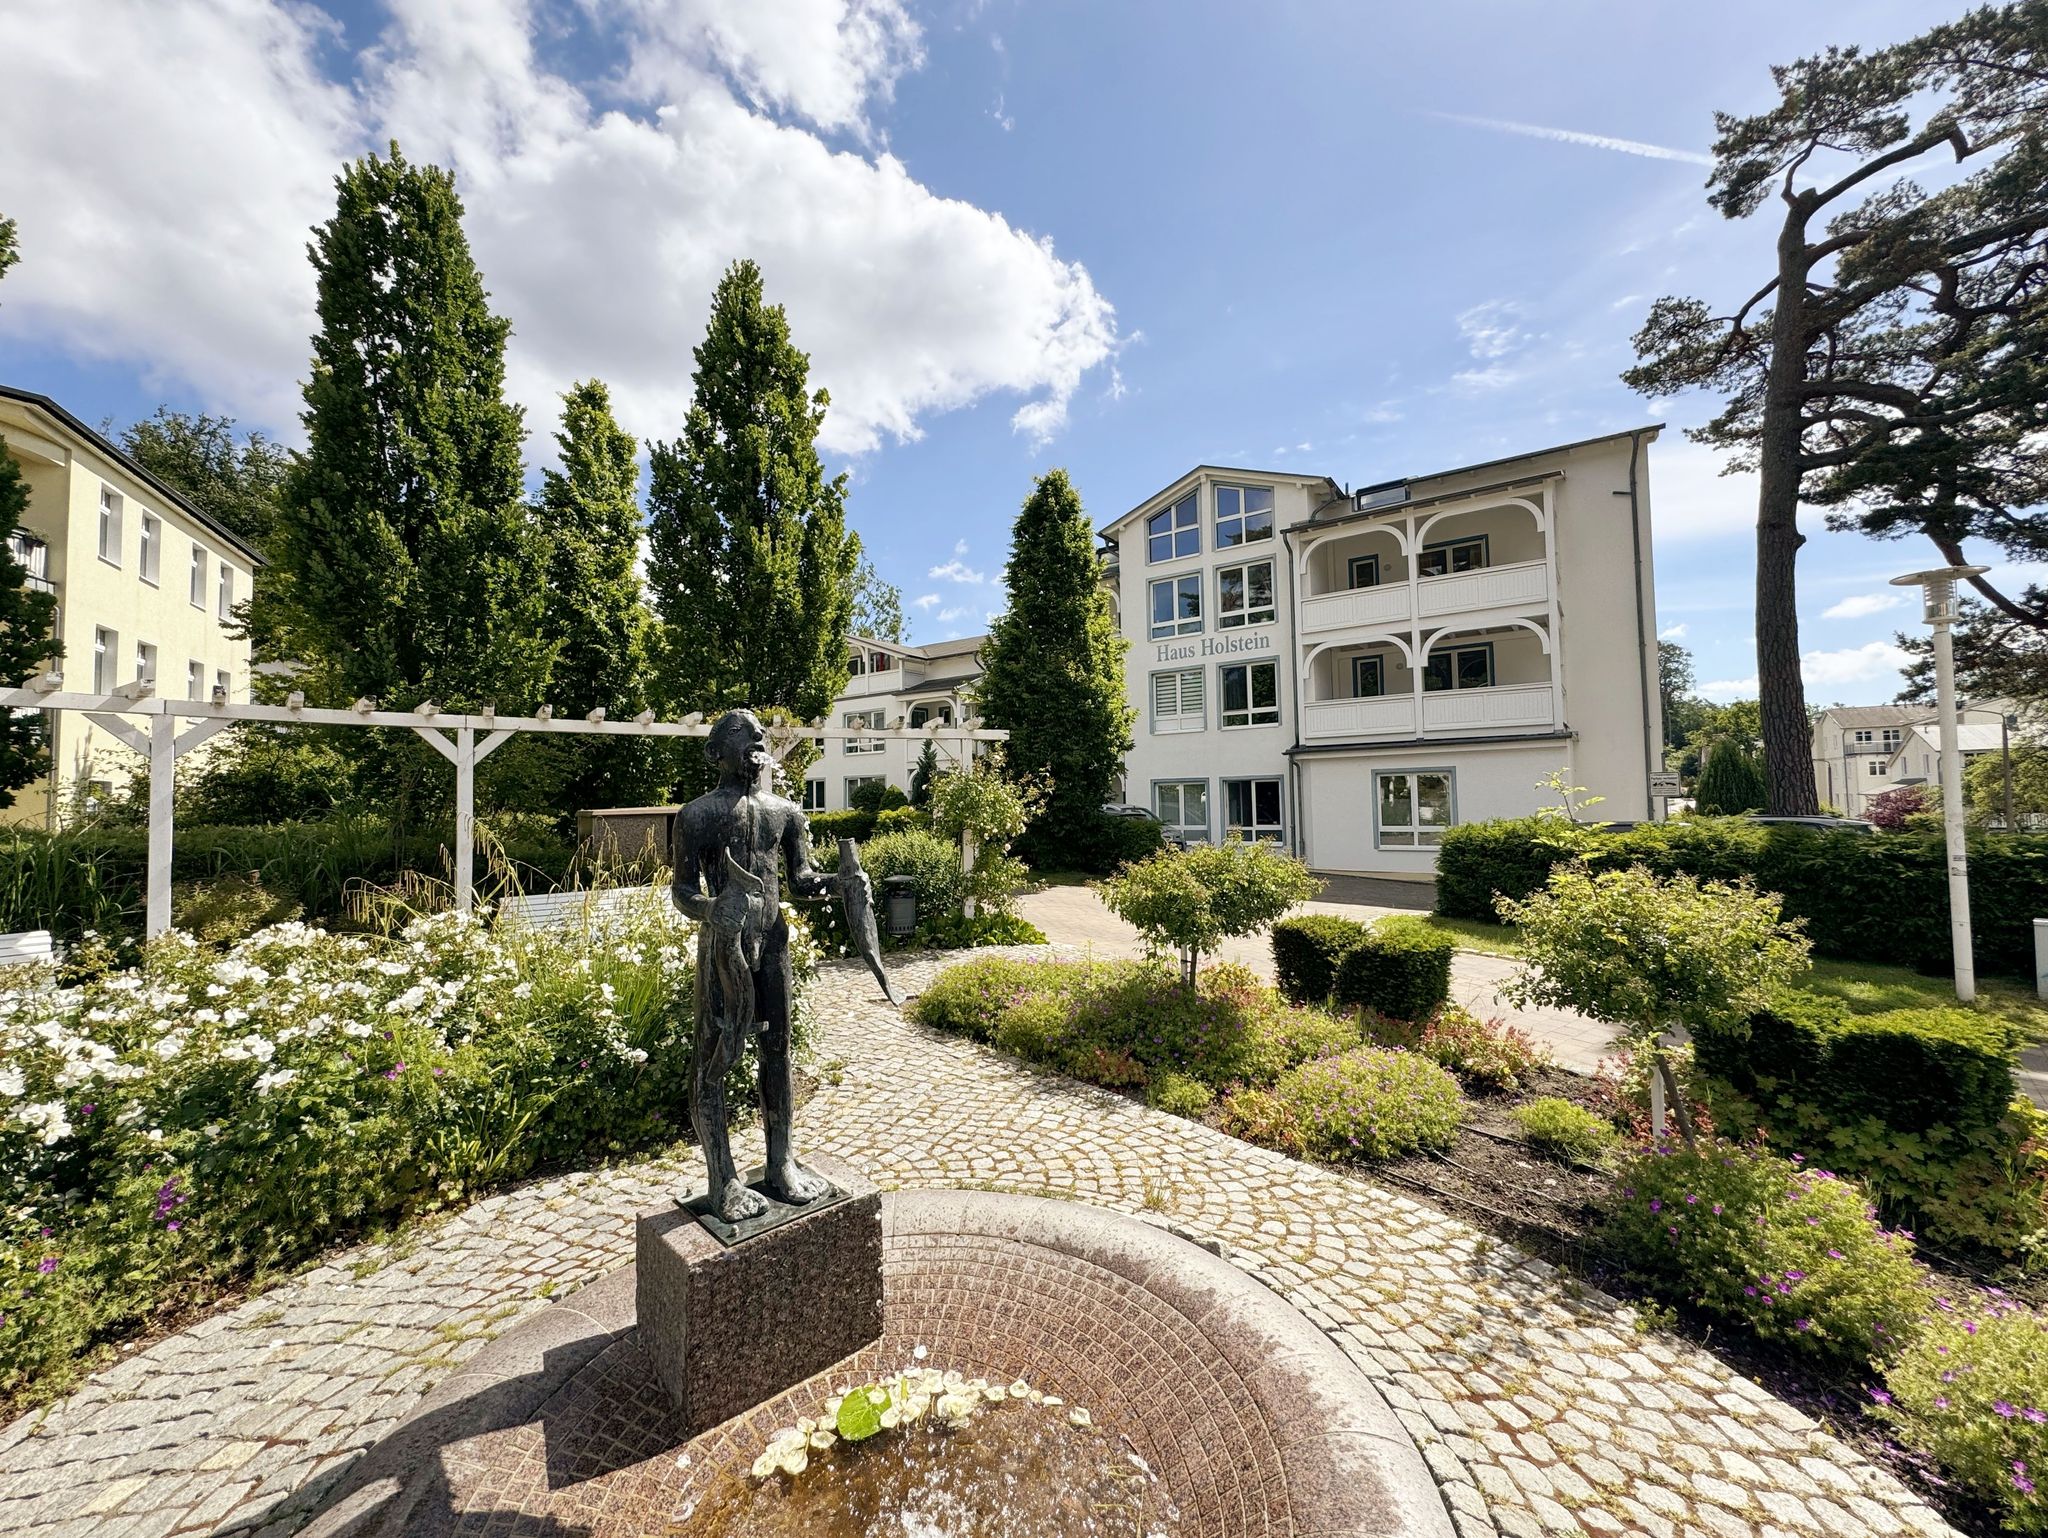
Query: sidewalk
[[1074, 915]]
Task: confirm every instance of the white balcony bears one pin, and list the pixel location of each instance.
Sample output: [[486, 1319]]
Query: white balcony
[[888, 681], [1358, 607], [1506, 705], [1523, 583], [1390, 715]]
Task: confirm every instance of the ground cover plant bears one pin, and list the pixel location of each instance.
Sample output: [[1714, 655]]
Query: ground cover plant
[[220, 1115], [1568, 1133], [1367, 1103]]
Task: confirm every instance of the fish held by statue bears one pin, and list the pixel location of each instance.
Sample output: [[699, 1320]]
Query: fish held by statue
[[857, 898]]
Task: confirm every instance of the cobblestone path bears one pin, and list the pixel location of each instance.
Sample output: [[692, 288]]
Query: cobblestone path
[[1539, 1405]]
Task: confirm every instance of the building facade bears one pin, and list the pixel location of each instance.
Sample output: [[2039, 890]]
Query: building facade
[[1351, 674], [891, 685], [146, 585]]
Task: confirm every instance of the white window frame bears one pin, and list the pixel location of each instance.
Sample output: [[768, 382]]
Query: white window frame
[[1454, 651], [225, 590], [1179, 625], [1419, 833], [195, 577], [1263, 614], [1863, 736], [1450, 547], [150, 552], [112, 505], [1176, 526], [1228, 523], [1893, 736], [195, 679], [1351, 567], [1187, 690], [1256, 829], [1178, 826], [1253, 715], [1368, 662], [865, 720], [106, 655], [225, 682], [145, 661], [1876, 765]]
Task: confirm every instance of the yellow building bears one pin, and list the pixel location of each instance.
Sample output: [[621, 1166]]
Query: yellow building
[[146, 586]]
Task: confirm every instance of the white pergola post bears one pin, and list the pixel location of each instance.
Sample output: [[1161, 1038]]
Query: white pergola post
[[163, 788]]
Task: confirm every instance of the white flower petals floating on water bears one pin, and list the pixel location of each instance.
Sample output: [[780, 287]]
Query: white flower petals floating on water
[[1079, 1417]]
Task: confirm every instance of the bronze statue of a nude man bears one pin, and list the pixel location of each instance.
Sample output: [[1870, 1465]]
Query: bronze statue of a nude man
[[730, 846]]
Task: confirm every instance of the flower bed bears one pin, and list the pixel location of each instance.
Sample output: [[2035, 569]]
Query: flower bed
[[215, 1116]]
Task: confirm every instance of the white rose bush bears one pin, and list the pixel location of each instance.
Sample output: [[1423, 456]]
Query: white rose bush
[[217, 1116]]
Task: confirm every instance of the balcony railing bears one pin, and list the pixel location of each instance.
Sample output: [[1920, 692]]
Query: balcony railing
[[1504, 707], [1521, 584], [888, 681], [1355, 607]]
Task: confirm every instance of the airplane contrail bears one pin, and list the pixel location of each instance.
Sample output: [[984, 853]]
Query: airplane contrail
[[1573, 136]]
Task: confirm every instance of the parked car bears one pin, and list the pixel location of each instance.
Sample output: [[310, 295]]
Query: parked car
[[1141, 814]]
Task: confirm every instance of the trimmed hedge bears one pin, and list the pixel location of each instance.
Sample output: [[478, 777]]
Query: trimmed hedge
[[1865, 897], [1105, 845], [1401, 969], [899, 819], [1306, 951], [827, 828]]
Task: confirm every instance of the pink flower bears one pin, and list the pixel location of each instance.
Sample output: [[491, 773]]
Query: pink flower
[[2000, 1407], [49, 1264], [1880, 1396], [394, 1070]]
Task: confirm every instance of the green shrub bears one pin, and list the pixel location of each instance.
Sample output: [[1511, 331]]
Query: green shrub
[[1281, 1038], [227, 909], [956, 931], [1796, 1255], [827, 828], [1367, 1103], [897, 819], [1971, 1391], [1825, 878], [1402, 970], [972, 996], [1179, 1094], [1307, 950], [1918, 1104], [931, 862], [1190, 900], [1102, 847], [1568, 1133], [1488, 1055], [875, 797]]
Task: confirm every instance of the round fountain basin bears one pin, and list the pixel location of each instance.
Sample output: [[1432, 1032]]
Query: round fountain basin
[[1214, 1407]]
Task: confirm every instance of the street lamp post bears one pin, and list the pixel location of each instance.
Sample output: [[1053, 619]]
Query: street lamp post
[[1938, 590]]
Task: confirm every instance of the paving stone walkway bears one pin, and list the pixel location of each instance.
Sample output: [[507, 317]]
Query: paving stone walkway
[[1539, 1405]]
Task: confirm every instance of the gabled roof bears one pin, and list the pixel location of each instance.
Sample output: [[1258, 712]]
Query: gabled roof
[[1199, 470], [100, 445], [1853, 716], [935, 651]]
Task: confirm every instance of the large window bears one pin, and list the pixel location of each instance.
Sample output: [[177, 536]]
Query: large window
[[1174, 531], [1182, 807], [195, 579], [110, 525], [1454, 555], [1459, 667], [1177, 606], [1251, 809], [814, 795], [106, 660], [1414, 807], [1251, 694], [145, 663], [1363, 571], [226, 589], [1244, 515], [1875, 766], [1177, 701], [149, 557], [1368, 677], [1244, 595], [864, 720]]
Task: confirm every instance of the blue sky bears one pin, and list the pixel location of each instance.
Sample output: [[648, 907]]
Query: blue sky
[[1121, 237]]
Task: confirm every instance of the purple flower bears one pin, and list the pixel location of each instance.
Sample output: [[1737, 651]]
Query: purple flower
[[87, 1109], [1802, 1324], [1880, 1396], [1941, 1401], [1656, 1204], [2020, 1482], [49, 1264], [1717, 1209], [394, 1070], [2034, 1415], [173, 1226], [2000, 1407]]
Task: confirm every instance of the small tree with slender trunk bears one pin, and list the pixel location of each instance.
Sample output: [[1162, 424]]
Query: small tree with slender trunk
[[1652, 954], [1191, 900]]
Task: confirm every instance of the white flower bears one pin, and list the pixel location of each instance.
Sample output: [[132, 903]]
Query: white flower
[[13, 1084], [357, 1028], [260, 1048], [47, 1116], [275, 1079], [636, 1054]]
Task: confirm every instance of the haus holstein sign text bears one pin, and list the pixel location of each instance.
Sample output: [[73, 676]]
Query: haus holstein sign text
[[1214, 646]]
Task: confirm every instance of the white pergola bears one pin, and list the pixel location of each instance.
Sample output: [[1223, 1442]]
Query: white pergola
[[164, 730]]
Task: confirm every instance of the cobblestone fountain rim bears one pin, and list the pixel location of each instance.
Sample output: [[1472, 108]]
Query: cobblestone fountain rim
[[1254, 1423]]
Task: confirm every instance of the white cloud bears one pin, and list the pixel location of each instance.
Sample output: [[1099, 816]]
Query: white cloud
[[1573, 136], [1673, 632], [1689, 496], [1493, 329], [1724, 689], [949, 616], [1874, 662], [956, 570], [164, 218], [924, 601], [959, 547], [1862, 605]]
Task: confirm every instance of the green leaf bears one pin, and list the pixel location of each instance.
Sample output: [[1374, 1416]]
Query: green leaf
[[859, 1416]]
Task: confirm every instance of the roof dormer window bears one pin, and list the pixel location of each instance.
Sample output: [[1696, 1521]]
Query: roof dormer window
[[1174, 531]]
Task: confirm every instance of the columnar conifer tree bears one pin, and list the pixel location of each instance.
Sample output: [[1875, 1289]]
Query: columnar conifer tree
[[27, 641], [751, 564], [1054, 664], [591, 511], [409, 566]]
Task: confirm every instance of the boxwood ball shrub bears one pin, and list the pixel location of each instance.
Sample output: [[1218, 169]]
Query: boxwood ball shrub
[[1568, 1133], [1797, 1255], [1306, 951], [1367, 1103], [1971, 1391], [1401, 969]]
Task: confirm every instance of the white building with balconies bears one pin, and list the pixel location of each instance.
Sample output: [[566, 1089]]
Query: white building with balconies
[[891, 685], [1351, 673]]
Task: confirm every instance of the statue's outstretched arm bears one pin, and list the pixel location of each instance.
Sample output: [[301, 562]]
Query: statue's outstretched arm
[[804, 880]]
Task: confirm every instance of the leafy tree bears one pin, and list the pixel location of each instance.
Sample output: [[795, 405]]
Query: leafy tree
[[923, 773], [1683, 710], [1875, 329], [1053, 669], [752, 567], [1984, 782], [239, 483], [1191, 900], [1997, 657], [10, 248], [877, 606], [27, 641], [408, 565], [985, 810], [596, 621], [1651, 954], [1731, 780]]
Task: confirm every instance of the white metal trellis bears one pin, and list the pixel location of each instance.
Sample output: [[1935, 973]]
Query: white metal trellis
[[464, 739]]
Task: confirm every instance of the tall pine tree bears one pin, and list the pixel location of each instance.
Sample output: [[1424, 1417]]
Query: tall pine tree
[[1053, 666], [751, 564], [591, 511], [27, 641], [408, 564]]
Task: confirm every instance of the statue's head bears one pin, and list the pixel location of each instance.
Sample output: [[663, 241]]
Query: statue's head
[[738, 745]]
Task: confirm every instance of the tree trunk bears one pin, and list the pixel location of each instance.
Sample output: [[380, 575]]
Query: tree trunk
[[1789, 789]]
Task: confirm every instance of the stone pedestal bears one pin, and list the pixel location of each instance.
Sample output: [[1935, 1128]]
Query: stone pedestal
[[727, 1327]]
